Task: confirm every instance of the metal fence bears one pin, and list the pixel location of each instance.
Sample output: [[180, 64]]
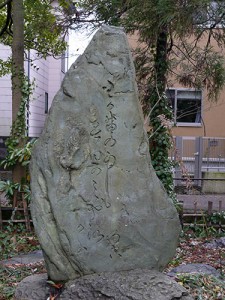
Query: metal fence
[[196, 156]]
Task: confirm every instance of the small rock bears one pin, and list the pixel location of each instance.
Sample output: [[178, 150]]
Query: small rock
[[195, 268], [33, 287], [25, 259], [135, 285], [218, 243]]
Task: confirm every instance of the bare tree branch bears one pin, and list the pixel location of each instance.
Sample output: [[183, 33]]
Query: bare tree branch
[[8, 17], [5, 3]]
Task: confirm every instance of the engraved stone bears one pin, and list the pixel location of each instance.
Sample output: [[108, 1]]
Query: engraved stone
[[97, 204]]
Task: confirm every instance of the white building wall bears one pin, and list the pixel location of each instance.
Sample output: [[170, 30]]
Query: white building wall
[[39, 69], [54, 76], [47, 76], [5, 106], [5, 97]]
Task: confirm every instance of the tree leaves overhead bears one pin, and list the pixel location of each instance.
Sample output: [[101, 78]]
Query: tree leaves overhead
[[178, 41], [43, 31], [195, 34]]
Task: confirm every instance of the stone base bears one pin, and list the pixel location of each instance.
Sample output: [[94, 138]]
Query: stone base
[[134, 285]]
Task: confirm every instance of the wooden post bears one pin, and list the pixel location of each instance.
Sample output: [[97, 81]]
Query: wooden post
[[210, 207], [0, 216], [198, 160], [220, 209], [195, 212], [15, 200], [26, 213], [177, 157], [220, 206]]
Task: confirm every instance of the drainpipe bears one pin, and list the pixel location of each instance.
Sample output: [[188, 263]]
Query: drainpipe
[[28, 100]]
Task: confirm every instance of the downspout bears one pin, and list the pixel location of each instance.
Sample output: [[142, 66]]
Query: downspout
[[28, 100]]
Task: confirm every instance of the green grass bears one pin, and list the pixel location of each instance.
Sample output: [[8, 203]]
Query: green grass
[[14, 240], [202, 286], [11, 275]]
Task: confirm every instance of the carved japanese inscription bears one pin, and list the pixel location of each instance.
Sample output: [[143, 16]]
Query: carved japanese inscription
[[97, 204]]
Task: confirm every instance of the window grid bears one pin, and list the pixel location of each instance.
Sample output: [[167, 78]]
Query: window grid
[[187, 105]]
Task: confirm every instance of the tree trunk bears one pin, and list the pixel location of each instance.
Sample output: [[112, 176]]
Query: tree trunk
[[17, 69], [159, 88], [161, 63], [160, 142]]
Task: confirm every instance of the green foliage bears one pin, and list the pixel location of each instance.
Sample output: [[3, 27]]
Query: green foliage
[[216, 218], [208, 72], [16, 155], [205, 231], [202, 286], [179, 40], [44, 30], [8, 187], [161, 142], [5, 66], [18, 133], [11, 276], [108, 12], [14, 239], [18, 148], [206, 225]]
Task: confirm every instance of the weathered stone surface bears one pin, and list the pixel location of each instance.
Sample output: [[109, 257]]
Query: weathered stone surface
[[132, 285], [97, 204], [217, 243], [33, 287], [195, 268], [24, 259]]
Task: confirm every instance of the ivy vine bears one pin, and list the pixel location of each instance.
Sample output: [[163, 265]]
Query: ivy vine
[[18, 145], [161, 141], [19, 127]]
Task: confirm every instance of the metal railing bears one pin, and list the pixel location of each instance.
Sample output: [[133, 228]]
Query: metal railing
[[196, 155]]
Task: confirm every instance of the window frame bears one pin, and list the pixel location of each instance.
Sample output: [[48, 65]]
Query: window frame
[[185, 124]]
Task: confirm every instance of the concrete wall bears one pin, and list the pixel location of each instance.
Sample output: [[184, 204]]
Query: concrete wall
[[216, 186]]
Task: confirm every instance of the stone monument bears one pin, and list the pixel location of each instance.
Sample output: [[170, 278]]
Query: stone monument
[[97, 204]]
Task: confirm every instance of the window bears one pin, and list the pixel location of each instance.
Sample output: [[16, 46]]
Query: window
[[187, 106], [46, 103]]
